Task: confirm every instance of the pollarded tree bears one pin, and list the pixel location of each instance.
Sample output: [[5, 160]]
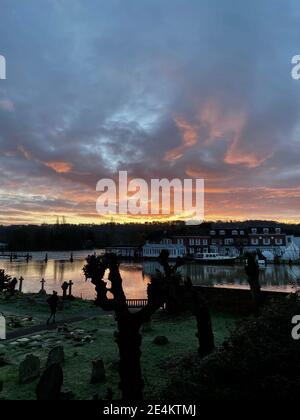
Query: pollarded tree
[[178, 299], [172, 279], [128, 337], [200, 310]]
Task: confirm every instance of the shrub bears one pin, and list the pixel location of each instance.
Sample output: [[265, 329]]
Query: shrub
[[259, 361]]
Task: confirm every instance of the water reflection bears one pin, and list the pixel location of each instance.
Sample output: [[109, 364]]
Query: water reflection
[[55, 272], [272, 278], [136, 276]]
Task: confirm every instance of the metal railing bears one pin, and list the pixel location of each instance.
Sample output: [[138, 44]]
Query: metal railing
[[136, 303]]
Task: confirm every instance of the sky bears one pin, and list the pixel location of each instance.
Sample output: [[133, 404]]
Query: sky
[[158, 88]]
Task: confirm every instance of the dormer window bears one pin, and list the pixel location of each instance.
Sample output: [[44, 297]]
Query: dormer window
[[278, 230], [212, 232], [254, 231], [266, 230], [234, 232], [222, 232]]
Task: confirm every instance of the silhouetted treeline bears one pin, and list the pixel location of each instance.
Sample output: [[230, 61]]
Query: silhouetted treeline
[[75, 237], [60, 237]]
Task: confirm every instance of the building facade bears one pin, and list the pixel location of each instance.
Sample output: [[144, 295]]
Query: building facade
[[233, 240], [153, 250], [124, 251]]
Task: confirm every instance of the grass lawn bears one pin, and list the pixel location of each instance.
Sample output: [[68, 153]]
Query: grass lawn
[[179, 330], [31, 309]]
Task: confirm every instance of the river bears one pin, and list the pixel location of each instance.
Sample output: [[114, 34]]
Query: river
[[137, 275]]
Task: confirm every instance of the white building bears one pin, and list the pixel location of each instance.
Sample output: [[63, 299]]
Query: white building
[[231, 251], [291, 253], [153, 250], [124, 251], [295, 240]]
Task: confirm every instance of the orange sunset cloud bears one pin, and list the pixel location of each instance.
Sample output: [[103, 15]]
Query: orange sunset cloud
[[60, 167]]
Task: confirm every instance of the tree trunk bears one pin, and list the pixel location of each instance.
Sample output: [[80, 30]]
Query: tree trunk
[[204, 333], [129, 341], [255, 293], [252, 271]]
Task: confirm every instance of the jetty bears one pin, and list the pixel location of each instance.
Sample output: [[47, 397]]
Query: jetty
[[15, 256]]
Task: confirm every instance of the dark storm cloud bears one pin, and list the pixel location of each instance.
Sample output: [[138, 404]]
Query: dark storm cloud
[[158, 88]]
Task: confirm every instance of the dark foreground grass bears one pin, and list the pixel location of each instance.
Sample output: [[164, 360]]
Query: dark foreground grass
[[156, 360]]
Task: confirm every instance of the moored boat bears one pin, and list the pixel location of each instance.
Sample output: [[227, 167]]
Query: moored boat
[[213, 258]]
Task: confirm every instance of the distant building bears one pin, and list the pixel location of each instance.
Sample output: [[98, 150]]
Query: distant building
[[237, 239], [231, 239], [192, 243], [294, 239], [153, 250], [125, 251], [267, 237], [291, 253]]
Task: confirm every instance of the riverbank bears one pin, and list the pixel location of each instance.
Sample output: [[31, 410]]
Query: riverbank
[[92, 339]]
